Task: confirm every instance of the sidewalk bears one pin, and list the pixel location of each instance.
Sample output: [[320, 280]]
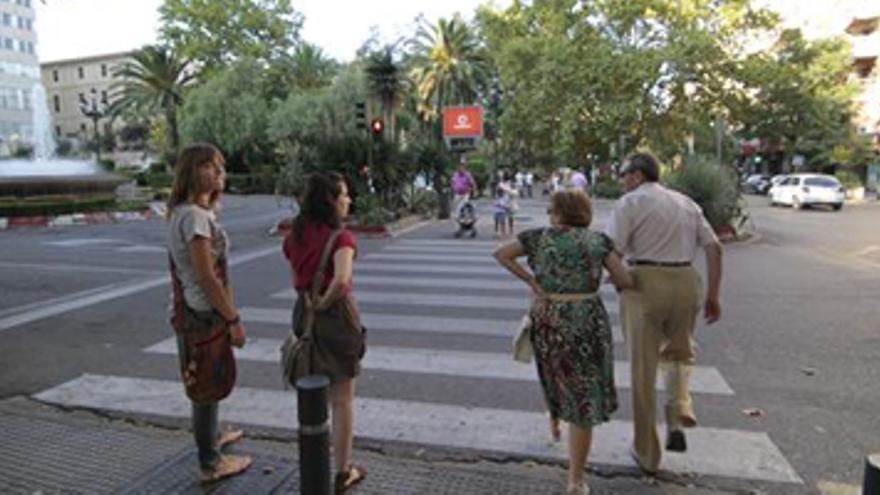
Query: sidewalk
[[49, 450]]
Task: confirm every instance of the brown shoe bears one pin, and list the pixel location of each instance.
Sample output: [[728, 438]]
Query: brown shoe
[[228, 465], [344, 480]]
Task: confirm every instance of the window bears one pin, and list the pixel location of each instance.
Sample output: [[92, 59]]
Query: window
[[81, 72], [82, 127], [30, 47], [103, 96], [822, 182], [30, 24], [55, 75], [57, 101], [20, 22], [58, 130], [7, 19], [7, 43], [103, 70]]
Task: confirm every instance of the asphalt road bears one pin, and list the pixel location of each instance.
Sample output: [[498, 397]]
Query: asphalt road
[[798, 340]]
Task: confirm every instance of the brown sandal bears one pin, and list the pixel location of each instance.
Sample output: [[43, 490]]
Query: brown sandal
[[228, 465], [347, 479]]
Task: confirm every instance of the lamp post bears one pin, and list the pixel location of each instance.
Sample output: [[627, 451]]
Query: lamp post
[[95, 109]]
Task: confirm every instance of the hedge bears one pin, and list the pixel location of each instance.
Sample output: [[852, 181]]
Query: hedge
[[55, 205]]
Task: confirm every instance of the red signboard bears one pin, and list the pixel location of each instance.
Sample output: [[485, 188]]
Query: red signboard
[[463, 121]]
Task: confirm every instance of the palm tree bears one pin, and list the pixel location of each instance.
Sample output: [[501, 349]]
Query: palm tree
[[154, 80], [448, 65], [312, 69], [387, 83]]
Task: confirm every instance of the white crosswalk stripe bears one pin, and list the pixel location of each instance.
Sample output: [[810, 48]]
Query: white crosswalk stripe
[[384, 266], [520, 303], [434, 258], [711, 451], [469, 364], [408, 323]]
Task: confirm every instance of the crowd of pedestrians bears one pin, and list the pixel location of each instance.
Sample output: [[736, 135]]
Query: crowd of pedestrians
[[647, 252]]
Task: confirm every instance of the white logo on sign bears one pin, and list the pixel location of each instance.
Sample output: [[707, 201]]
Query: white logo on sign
[[462, 122]]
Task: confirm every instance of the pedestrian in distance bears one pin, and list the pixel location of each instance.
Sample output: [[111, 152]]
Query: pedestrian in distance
[[511, 193], [463, 187], [530, 181], [658, 231], [204, 315], [570, 329], [324, 206], [499, 209]]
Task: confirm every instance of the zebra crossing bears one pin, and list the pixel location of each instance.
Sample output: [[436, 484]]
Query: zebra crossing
[[401, 289]]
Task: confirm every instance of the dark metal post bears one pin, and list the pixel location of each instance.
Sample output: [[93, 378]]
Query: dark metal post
[[872, 475], [314, 435]]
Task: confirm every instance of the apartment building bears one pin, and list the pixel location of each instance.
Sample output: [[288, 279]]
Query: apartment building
[[74, 83], [19, 72], [859, 22]]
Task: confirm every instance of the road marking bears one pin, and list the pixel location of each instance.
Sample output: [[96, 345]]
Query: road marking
[[143, 249], [452, 283], [868, 250], [75, 268], [116, 291], [451, 301], [394, 248], [409, 323], [381, 266], [450, 258], [711, 451], [83, 242], [25, 307], [458, 283], [447, 242], [470, 364]]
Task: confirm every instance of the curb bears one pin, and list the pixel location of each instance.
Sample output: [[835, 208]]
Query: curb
[[102, 217]]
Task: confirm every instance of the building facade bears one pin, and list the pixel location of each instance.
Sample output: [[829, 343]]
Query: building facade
[[859, 22], [19, 73], [74, 84]]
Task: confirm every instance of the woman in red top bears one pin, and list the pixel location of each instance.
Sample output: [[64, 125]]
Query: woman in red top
[[325, 204]]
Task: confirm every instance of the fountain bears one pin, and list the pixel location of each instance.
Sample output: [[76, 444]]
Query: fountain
[[46, 174]]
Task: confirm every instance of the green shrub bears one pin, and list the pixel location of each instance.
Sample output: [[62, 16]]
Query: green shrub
[[419, 200], [256, 183], [155, 180], [607, 188], [712, 187], [369, 210], [55, 205], [848, 179], [107, 164]]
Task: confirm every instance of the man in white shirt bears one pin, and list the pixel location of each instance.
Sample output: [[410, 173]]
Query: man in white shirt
[[658, 231]]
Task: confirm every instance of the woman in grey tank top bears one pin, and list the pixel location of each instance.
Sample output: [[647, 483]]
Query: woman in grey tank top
[[197, 247]]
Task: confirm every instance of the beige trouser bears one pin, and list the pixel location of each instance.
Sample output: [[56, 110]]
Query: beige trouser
[[658, 319]]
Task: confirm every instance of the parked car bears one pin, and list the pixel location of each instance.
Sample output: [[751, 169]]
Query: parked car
[[755, 183], [804, 190], [774, 181]]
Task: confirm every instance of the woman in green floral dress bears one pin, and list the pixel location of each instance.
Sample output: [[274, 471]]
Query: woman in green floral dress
[[570, 329]]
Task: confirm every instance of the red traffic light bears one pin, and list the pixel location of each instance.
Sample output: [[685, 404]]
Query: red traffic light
[[377, 126]]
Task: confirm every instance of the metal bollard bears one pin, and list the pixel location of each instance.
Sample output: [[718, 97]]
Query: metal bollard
[[872, 475], [314, 435]]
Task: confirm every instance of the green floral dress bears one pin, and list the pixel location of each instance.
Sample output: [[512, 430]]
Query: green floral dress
[[572, 340]]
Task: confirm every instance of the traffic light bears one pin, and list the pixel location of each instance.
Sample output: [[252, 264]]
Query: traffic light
[[360, 115], [377, 126]]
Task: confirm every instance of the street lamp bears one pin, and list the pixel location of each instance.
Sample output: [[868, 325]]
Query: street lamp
[[95, 109]]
